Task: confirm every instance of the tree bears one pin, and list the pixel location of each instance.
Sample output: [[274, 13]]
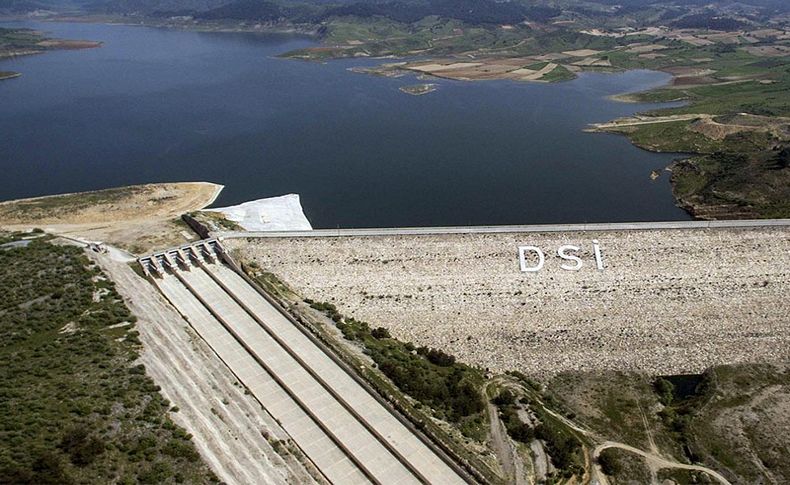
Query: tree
[[665, 391]]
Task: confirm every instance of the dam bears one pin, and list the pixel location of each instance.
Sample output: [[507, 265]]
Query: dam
[[672, 297]]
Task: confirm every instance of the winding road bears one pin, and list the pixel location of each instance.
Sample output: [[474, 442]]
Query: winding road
[[654, 459]]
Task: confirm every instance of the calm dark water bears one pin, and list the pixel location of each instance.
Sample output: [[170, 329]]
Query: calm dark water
[[156, 105]]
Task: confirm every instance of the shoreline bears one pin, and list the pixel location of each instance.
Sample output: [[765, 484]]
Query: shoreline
[[626, 97], [135, 218], [217, 190], [9, 75]]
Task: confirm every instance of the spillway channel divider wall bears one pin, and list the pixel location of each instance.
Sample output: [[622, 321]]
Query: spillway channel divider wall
[[368, 474], [444, 452], [238, 377], [343, 402]]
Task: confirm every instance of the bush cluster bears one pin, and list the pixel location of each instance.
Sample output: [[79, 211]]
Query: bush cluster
[[428, 375], [74, 405]]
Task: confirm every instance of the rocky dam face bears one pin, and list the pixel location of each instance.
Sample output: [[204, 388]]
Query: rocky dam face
[[665, 301]]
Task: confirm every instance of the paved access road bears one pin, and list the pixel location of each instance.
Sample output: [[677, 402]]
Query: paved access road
[[416, 231], [348, 434]]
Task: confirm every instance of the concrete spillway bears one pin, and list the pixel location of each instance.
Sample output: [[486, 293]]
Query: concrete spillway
[[329, 458], [348, 434]]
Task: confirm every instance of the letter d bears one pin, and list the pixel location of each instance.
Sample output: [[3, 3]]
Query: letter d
[[522, 258]]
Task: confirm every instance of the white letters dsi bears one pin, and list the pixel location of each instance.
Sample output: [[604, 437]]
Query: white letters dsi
[[566, 252]]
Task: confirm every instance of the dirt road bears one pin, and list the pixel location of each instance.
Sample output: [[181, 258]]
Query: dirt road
[[500, 444], [657, 461]]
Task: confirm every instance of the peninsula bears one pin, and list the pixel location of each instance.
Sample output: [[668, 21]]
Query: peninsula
[[25, 42]]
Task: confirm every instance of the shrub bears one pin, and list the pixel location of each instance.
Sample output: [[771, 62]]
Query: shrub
[[562, 446], [504, 398], [665, 390], [436, 356], [81, 446], [181, 449], [609, 462]]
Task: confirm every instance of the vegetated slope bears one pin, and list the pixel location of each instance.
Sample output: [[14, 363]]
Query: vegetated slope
[[426, 374], [22, 6], [74, 407], [744, 425], [14, 41], [154, 7], [742, 162], [732, 419], [470, 11], [13, 7]]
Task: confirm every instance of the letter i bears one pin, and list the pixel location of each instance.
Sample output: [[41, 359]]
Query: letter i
[[598, 257]]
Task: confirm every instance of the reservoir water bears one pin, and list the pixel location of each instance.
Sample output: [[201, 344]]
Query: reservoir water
[[155, 105]]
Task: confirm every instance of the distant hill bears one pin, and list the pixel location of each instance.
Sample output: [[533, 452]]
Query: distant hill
[[261, 10], [469, 11], [721, 14], [21, 6], [407, 11], [153, 7], [708, 21]]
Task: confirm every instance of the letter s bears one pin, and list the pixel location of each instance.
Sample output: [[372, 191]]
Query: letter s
[[522, 258], [561, 253]]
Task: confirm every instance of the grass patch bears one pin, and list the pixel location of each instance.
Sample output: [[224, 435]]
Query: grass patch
[[54, 205], [624, 466], [215, 221], [558, 74]]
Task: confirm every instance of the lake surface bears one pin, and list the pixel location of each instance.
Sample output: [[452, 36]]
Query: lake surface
[[156, 105]]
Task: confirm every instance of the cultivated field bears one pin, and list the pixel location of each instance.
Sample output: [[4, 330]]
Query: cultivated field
[[668, 301]]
